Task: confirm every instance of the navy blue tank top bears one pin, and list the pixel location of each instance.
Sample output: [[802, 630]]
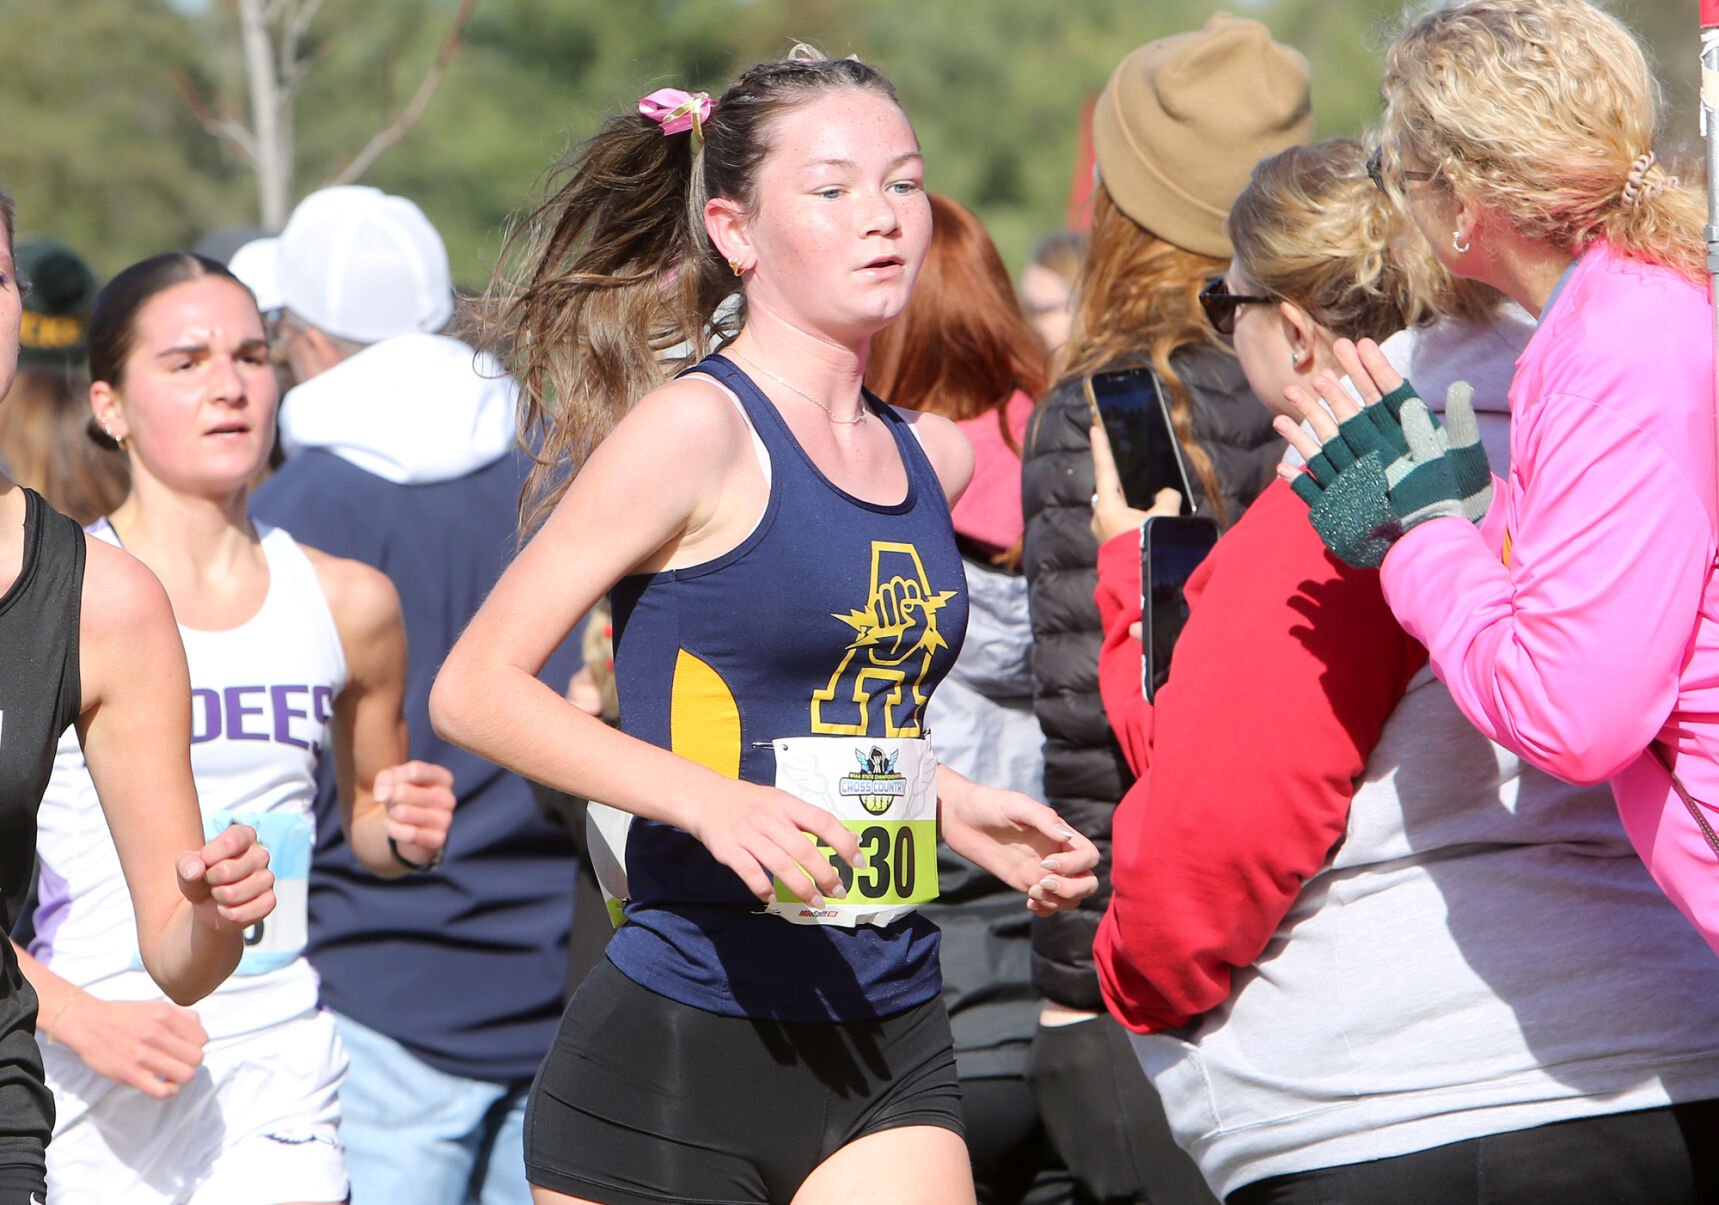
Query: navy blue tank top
[[836, 616]]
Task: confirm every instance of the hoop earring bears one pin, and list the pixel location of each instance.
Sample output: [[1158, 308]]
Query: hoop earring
[[1457, 244]]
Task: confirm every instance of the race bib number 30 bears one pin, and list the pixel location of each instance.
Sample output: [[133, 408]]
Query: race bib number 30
[[885, 793], [278, 938]]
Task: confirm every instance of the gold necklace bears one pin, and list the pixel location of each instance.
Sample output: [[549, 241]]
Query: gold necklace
[[749, 361]]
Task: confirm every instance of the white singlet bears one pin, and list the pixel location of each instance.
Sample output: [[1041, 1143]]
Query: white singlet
[[262, 695]]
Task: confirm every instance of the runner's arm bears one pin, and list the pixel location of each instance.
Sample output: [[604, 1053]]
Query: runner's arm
[[193, 900]]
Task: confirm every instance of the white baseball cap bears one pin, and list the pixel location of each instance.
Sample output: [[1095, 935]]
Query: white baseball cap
[[255, 265], [363, 265]]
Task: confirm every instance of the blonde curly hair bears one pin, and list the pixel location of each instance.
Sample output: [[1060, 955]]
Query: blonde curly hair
[[1311, 228], [1542, 110]]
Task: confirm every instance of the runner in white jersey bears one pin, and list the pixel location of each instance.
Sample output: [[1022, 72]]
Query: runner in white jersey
[[87, 641], [292, 654]]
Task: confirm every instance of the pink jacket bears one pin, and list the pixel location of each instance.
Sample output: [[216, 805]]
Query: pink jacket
[[1581, 622]]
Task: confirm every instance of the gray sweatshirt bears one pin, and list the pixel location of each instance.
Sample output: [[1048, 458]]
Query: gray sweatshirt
[[1482, 953]]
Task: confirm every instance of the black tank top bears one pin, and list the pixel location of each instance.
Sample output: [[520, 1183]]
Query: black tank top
[[40, 696]]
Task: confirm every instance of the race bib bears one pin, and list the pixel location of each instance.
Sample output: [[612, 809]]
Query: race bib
[[885, 792], [279, 937]]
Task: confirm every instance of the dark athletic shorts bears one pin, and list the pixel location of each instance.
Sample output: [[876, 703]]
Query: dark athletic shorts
[[644, 1100]]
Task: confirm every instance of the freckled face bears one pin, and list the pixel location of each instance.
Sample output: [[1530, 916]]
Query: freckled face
[[198, 400], [841, 222]]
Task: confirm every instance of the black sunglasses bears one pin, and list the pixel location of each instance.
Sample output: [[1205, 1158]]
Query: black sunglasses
[[1221, 305], [1376, 171]]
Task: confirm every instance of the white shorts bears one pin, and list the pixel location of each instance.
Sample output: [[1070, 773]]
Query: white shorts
[[257, 1125]]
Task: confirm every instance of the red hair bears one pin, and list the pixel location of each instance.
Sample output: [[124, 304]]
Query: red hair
[[962, 347]]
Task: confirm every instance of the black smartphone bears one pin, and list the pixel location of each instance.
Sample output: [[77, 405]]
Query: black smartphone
[[1171, 548], [1137, 419]]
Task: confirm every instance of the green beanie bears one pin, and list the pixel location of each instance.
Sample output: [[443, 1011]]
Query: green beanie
[[56, 321]]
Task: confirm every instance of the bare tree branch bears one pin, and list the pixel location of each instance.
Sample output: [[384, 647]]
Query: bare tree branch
[[294, 74], [227, 131], [272, 35], [299, 23], [408, 117], [238, 134]]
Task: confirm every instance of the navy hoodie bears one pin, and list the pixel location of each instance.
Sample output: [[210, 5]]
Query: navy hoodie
[[403, 457]]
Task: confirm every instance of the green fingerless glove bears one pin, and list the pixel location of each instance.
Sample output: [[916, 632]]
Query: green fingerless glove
[[1368, 505], [1372, 432], [1467, 455], [1379, 428], [1393, 404], [1353, 514]]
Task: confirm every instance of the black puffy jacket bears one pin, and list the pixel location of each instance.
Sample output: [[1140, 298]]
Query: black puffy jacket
[[1085, 774]]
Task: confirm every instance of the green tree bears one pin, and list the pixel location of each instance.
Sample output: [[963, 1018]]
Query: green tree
[[104, 146], [101, 148]]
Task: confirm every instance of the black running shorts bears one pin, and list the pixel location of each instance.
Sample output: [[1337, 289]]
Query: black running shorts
[[644, 1100]]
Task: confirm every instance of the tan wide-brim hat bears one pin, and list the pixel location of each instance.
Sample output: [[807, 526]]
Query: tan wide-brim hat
[[1183, 120]]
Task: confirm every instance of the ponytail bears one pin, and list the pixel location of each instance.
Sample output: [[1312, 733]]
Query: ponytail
[[1658, 217], [598, 282]]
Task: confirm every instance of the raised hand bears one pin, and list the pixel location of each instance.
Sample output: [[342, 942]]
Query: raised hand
[[228, 881], [1361, 506], [1376, 426]]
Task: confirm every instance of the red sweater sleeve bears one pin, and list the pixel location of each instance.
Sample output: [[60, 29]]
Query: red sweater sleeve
[[1288, 667]]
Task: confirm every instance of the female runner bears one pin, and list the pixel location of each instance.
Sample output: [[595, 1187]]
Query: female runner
[[235, 1101], [787, 594], [87, 642]]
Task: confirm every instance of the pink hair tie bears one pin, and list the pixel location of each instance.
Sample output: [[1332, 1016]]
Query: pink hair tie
[[678, 111]]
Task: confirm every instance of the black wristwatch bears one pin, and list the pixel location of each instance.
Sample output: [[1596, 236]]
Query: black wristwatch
[[415, 867]]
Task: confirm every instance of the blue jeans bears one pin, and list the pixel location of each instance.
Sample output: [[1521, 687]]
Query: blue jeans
[[416, 1134]]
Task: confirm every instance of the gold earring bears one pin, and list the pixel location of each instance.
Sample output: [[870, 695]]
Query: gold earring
[[734, 267]]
